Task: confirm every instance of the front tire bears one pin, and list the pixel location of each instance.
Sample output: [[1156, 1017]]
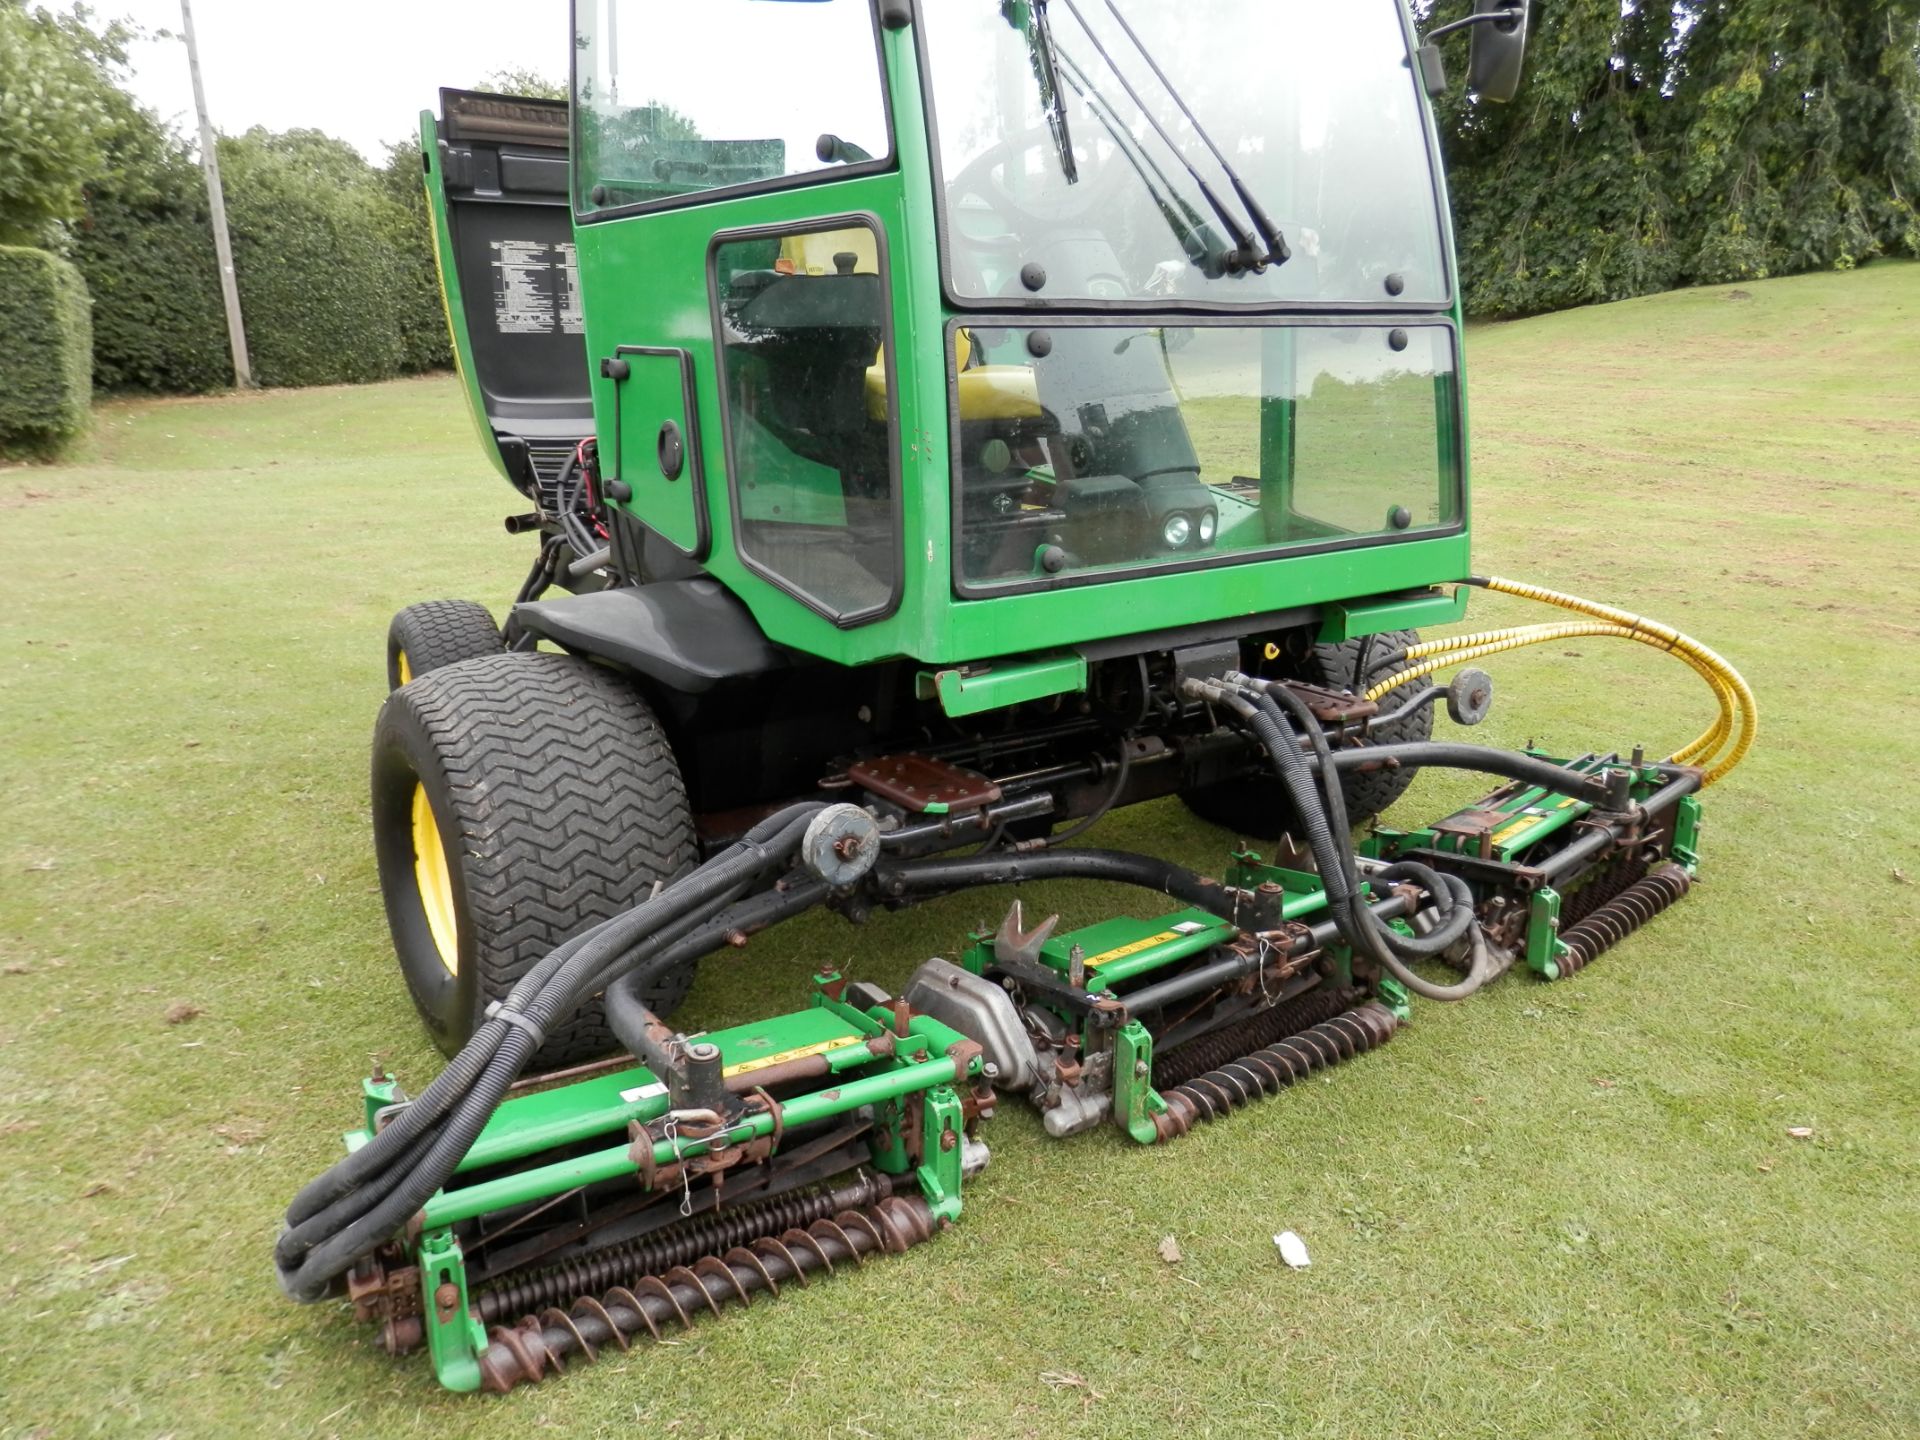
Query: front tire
[[517, 799], [438, 633], [1256, 807]]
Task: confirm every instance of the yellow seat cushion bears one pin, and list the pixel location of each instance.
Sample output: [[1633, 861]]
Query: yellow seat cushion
[[987, 392]]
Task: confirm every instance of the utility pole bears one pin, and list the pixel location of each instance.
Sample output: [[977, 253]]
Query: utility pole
[[217, 203]]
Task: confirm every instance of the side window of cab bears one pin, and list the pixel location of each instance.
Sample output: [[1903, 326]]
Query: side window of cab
[[807, 385]]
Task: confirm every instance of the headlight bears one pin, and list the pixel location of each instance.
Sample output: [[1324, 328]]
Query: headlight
[[1177, 531], [1209, 523]]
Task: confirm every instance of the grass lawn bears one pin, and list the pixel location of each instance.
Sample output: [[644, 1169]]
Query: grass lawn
[[1554, 1211]]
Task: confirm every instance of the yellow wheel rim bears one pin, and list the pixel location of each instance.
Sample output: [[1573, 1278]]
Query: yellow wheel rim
[[406, 673], [433, 878]]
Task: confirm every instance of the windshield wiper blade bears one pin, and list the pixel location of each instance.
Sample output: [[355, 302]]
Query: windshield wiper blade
[[1039, 33], [1199, 240], [1277, 251], [1270, 233], [1244, 255]]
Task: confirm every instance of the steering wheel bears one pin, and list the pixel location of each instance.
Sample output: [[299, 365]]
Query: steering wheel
[[1086, 205], [984, 176]]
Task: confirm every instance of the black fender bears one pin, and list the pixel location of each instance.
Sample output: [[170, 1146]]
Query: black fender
[[685, 635]]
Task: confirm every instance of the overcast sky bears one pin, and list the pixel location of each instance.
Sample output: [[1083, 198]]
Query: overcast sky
[[357, 69]]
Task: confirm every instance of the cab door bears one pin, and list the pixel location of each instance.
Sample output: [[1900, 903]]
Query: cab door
[[736, 197]]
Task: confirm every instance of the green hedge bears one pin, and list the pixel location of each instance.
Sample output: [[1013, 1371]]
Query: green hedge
[[320, 287], [335, 269], [46, 352], [157, 319]]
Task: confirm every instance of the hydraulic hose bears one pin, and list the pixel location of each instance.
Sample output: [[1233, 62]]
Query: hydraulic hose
[[1319, 813], [1719, 749], [362, 1200], [1484, 759], [1119, 866], [1452, 899], [627, 1011]]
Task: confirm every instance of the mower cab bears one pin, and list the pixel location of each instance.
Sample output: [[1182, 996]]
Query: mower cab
[[973, 334]]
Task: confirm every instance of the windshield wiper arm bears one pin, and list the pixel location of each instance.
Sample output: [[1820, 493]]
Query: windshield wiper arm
[[1200, 241], [1039, 32], [1277, 251], [1244, 255]]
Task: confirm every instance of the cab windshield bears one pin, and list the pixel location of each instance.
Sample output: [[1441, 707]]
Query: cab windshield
[[1084, 148]]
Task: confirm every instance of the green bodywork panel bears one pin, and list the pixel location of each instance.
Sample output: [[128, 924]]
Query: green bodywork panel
[[1344, 620], [1511, 822], [1513, 819], [528, 1125], [975, 689], [1135, 1101], [1118, 950], [1543, 933], [452, 295]]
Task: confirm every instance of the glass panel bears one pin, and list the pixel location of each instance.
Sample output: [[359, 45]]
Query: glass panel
[[807, 377], [1060, 145], [1127, 445], [673, 99]]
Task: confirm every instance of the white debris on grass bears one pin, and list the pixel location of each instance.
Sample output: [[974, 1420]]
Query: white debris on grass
[[1293, 1249]]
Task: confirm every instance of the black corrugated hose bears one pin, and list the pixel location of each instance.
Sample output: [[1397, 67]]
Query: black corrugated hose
[[366, 1197]]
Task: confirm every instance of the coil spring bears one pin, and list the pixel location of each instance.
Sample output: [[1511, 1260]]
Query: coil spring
[[1209, 1052], [547, 1341], [1269, 1071], [709, 1234], [1620, 917]]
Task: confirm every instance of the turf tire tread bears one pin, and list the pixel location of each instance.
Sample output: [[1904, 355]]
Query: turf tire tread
[[438, 633], [570, 806]]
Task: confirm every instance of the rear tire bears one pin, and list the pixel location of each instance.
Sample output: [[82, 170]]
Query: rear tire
[[1256, 806], [553, 800], [438, 633]]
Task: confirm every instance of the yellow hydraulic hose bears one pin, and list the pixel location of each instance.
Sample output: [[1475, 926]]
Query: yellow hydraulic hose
[[1739, 718], [1439, 654]]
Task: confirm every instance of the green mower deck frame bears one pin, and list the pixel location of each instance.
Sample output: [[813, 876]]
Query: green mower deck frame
[[559, 1163]]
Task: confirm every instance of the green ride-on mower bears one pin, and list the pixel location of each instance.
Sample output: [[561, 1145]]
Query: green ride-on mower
[[938, 424]]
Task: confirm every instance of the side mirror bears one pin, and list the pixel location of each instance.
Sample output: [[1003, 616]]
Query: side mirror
[[1499, 49]]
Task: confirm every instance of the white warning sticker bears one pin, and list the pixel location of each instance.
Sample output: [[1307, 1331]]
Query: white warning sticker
[[524, 287]]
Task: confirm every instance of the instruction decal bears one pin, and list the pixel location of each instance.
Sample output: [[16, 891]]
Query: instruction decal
[[536, 288]]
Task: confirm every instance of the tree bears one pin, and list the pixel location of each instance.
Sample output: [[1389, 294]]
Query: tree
[[57, 103], [522, 81], [143, 243], [1664, 144]]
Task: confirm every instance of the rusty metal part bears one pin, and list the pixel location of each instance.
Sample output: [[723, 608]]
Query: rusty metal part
[[548, 1079], [1333, 707], [680, 1245], [1014, 942], [1581, 901], [1256, 1032], [1473, 826], [1269, 1071], [382, 1288], [551, 1338], [1619, 917], [917, 782]]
